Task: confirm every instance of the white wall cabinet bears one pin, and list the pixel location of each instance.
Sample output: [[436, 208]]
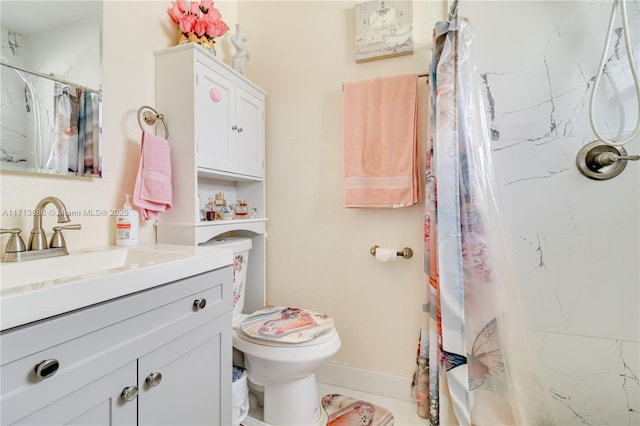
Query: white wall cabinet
[[229, 123], [100, 351], [216, 122]]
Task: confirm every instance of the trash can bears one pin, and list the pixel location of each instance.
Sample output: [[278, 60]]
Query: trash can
[[239, 395]]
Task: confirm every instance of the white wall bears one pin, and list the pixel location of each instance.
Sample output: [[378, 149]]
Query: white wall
[[317, 250]]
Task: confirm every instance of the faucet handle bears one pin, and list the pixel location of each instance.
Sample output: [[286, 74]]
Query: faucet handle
[[15, 243], [57, 239]]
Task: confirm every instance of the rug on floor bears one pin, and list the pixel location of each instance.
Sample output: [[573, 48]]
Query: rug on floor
[[345, 411]]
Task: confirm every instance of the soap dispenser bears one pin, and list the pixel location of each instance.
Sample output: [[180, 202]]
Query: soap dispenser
[[127, 224]]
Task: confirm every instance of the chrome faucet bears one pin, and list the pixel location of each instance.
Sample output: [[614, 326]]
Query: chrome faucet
[[38, 239]]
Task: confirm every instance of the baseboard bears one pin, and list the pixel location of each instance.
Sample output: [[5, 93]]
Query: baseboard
[[370, 381]]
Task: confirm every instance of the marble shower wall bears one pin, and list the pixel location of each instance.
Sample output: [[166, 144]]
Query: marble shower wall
[[574, 242]]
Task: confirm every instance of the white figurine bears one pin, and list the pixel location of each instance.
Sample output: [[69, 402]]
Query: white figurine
[[242, 54]]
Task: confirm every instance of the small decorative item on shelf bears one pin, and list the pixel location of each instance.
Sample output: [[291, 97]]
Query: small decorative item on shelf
[[199, 23], [240, 209], [242, 54], [211, 209], [223, 211]]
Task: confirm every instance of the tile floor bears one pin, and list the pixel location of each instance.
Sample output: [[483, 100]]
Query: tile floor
[[404, 412]]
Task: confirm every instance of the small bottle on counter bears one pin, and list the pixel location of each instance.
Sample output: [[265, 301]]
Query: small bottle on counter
[[127, 224]]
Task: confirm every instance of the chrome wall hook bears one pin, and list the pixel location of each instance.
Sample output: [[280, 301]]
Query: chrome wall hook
[[600, 161]]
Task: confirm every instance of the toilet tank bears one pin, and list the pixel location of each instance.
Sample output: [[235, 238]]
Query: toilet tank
[[241, 247]]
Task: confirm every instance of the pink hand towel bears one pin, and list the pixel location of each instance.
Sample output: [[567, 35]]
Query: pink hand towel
[[153, 191], [380, 142]]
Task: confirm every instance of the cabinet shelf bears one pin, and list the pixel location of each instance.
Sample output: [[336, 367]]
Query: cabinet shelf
[[232, 177], [193, 234], [233, 222]]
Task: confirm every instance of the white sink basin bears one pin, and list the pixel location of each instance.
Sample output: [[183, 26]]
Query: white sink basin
[[81, 263], [37, 289]]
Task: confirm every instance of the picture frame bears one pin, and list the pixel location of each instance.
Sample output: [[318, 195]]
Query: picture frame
[[383, 29]]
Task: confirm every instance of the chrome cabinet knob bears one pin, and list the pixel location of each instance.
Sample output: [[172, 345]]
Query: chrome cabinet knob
[[129, 393], [47, 368], [239, 129], [234, 127], [200, 303], [154, 379]]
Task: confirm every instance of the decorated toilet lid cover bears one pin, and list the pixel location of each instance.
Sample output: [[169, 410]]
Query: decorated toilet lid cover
[[286, 325]]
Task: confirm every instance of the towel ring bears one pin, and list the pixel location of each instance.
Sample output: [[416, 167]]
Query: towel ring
[[150, 117]]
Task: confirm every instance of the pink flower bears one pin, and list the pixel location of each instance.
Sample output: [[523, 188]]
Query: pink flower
[[217, 29], [187, 22], [195, 8], [175, 14], [213, 14], [199, 18], [200, 27], [206, 5]]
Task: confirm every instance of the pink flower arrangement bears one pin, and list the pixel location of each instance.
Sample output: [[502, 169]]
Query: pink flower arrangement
[[201, 18]]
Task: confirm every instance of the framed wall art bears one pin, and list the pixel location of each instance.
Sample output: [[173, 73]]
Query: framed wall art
[[383, 29]]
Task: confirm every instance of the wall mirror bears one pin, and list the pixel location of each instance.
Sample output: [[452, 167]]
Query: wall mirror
[[51, 100]]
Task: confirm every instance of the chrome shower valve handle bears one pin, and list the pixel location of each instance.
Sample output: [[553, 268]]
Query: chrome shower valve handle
[[608, 158], [601, 161]]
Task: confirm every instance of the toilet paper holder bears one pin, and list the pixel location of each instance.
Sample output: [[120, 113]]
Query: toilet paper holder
[[406, 252]]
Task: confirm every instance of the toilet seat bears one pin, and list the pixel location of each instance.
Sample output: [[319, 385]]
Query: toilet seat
[[320, 340], [285, 326]]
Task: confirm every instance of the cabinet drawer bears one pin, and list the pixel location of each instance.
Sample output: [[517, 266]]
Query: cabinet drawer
[[112, 332]]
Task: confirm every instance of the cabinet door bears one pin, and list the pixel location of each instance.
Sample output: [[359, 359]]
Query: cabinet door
[[195, 387], [215, 104], [246, 150], [97, 403]]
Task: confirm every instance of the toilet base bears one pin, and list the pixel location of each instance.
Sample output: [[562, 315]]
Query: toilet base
[[287, 403]]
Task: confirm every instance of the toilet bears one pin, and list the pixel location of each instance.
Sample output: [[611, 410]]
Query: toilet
[[282, 348]]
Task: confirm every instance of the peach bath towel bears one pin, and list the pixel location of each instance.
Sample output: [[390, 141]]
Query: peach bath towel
[[380, 142], [153, 190]]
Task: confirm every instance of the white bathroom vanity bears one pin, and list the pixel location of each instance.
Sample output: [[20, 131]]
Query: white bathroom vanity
[[142, 337]]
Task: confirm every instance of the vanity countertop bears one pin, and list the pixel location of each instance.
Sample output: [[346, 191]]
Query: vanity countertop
[[38, 289]]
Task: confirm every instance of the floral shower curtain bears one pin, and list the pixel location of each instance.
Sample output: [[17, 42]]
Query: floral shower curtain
[[475, 364]]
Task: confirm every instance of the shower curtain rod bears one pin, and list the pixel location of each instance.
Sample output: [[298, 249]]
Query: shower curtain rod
[[50, 77]]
